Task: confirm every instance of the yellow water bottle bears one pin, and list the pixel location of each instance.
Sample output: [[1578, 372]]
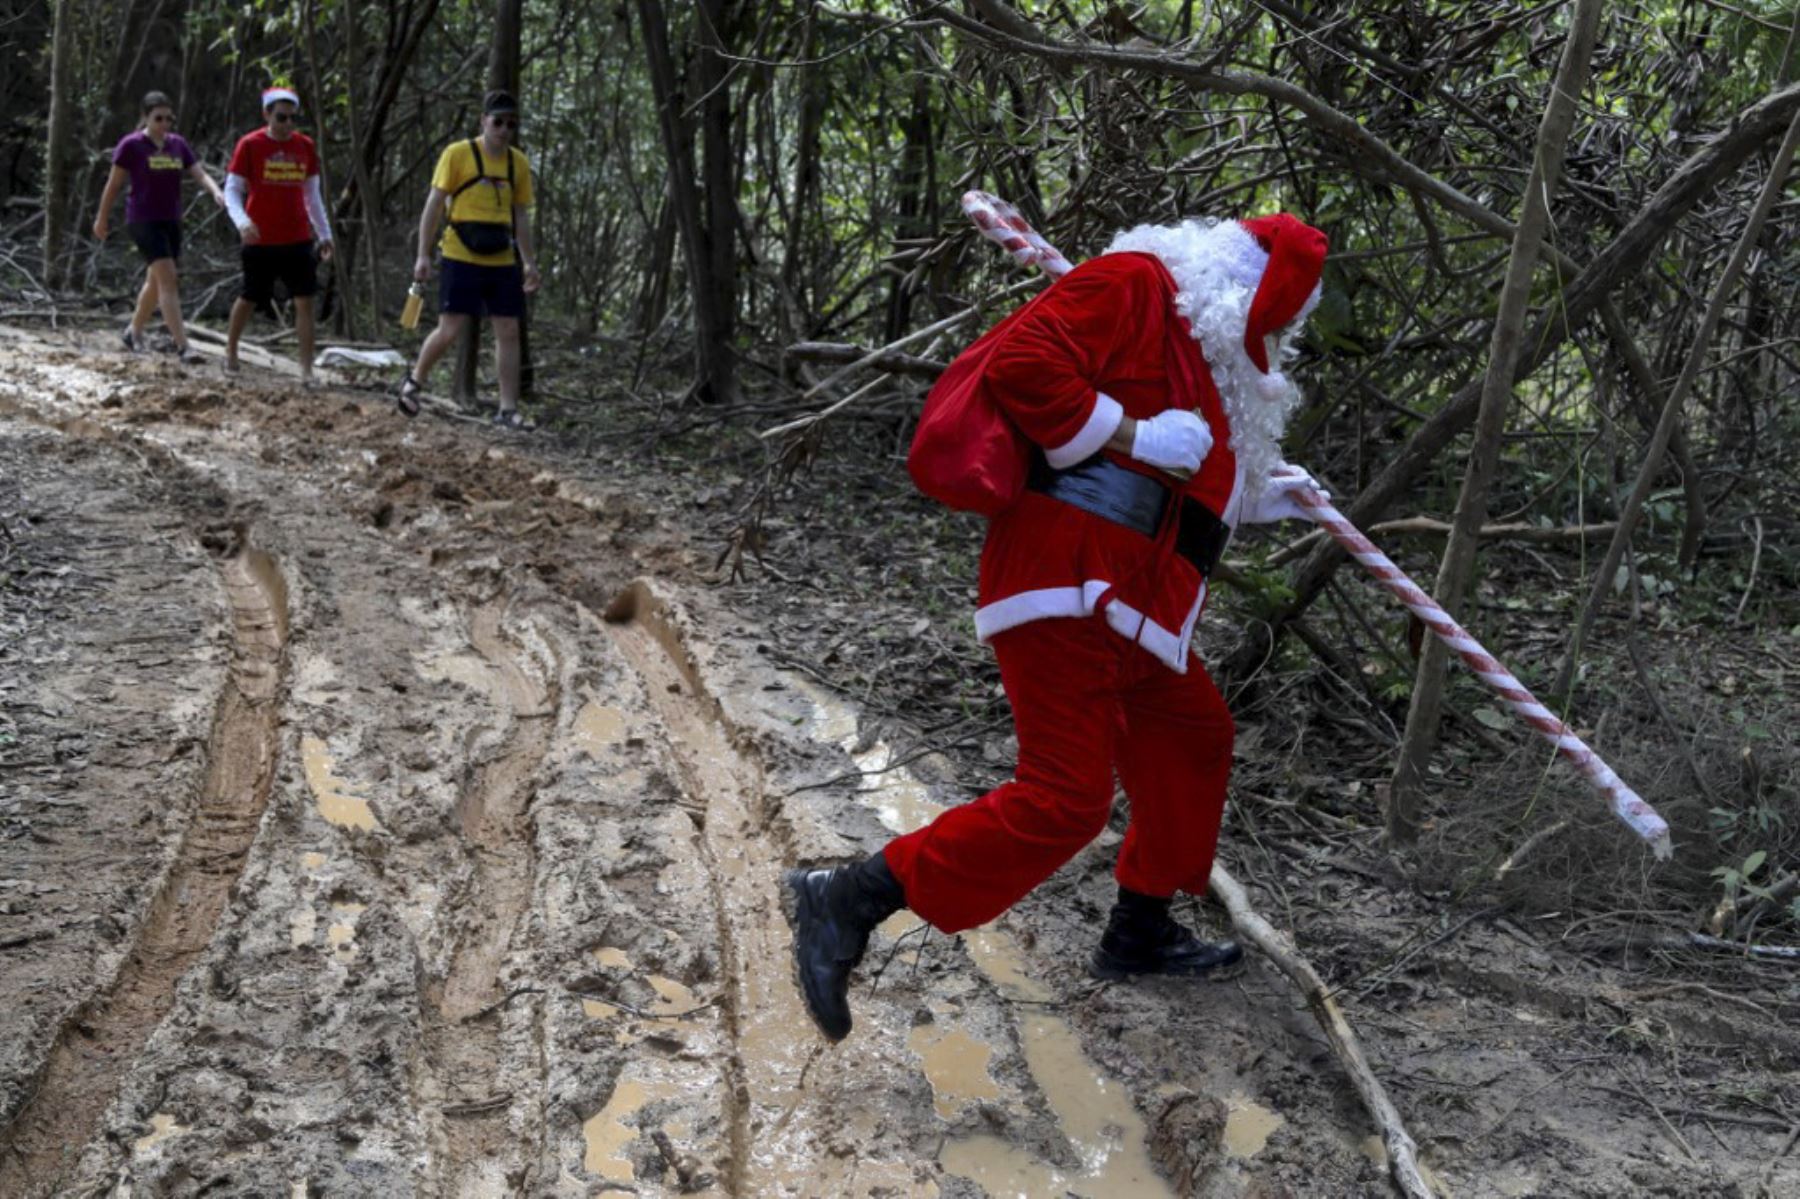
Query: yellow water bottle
[[415, 303]]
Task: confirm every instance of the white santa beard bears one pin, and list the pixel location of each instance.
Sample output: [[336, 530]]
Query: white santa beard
[[1217, 266]]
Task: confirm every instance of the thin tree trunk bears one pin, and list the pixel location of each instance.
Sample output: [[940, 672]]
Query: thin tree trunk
[[56, 142], [718, 165], [371, 230], [715, 369], [1651, 395], [806, 185], [653, 301], [909, 222], [329, 299], [1671, 412], [1458, 566]]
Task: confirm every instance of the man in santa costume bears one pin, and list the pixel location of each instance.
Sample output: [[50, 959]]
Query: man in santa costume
[[1149, 383]]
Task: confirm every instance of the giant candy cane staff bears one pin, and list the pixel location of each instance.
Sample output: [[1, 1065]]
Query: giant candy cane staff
[[1002, 223]]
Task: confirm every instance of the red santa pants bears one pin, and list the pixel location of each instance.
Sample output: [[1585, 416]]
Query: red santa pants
[[1085, 702]]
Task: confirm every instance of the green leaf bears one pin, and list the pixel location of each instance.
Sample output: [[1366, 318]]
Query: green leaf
[[1489, 717], [1752, 862]]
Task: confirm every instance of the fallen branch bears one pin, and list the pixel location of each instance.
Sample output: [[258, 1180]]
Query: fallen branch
[[1401, 1149], [891, 361], [1430, 525], [1527, 845], [950, 322]]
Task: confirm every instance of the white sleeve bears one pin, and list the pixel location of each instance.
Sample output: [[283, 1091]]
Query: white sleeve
[[315, 208], [237, 189]]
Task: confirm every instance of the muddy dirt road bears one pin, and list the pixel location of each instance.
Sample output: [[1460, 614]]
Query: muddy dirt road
[[387, 809]]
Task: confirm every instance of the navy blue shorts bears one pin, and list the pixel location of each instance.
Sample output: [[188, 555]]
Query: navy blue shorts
[[478, 291], [156, 239]]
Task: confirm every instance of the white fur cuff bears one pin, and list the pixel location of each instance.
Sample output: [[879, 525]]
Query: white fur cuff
[[1102, 422]]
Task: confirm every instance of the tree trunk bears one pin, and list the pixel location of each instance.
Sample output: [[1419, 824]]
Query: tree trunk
[[653, 300], [1458, 567], [804, 197], [370, 237], [56, 142], [909, 224], [716, 367], [718, 164]]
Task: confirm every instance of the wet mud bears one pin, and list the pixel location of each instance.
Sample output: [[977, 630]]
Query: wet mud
[[468, 881]]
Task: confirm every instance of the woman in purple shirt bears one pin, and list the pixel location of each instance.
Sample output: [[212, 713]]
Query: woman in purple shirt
[[153, 159]]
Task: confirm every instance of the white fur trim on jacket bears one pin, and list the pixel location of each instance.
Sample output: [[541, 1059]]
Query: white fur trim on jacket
[[1217, 266], [1169, 648], [1103, 419]]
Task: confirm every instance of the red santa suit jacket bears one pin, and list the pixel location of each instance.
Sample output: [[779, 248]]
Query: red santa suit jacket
[[1106, 329]]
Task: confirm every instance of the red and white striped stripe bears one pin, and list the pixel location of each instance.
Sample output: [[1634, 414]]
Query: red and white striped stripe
[[1002, 223]]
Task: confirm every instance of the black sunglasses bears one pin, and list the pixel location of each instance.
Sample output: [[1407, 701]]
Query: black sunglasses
[[163, 118], [282, 118], [505, 122]]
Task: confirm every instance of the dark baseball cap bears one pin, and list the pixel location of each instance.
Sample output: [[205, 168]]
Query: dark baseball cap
[[497, 102]]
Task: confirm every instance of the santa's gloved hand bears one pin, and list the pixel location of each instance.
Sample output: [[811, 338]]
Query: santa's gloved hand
[[1172, 440], [1276, 501]]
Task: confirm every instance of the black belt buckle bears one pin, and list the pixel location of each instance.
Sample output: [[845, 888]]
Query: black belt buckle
[[1202, 537], [1140, 503]]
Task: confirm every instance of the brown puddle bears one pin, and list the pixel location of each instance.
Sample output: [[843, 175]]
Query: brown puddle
[[162, 1127], [1248, 1126], [341, 936], [956, 1065], [607, 1134], [597, 726], [335, 804]]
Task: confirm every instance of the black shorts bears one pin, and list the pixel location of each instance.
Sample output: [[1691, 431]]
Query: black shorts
[[156, 239], [291, 264], [473, 290]]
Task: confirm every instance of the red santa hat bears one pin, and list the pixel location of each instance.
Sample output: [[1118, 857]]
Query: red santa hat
[[1289, 286]]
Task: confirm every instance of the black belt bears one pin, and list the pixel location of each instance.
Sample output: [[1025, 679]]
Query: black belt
[[1136, 501]]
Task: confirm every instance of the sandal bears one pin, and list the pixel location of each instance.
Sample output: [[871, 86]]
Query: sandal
[[512, 418], [408, 400]]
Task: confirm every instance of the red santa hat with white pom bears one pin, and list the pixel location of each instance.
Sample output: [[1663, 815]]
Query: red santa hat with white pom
[[1287, 287]]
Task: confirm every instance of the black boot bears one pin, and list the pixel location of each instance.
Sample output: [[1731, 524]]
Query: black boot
[[1142, 938], [833, 914]]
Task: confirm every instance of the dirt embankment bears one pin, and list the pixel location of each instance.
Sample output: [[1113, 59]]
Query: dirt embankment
[[427, 843]]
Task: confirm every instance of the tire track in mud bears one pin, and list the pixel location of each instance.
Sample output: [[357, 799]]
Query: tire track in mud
[[475, 1145], [744, 851], [83, 1069]]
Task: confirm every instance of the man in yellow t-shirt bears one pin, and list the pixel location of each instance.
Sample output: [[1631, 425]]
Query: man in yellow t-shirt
[[483, 186]]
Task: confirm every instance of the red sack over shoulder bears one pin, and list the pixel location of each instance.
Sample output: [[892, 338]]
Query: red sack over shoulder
[[965, 453]]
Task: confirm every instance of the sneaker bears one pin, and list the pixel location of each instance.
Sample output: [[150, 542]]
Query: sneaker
[[132, 341], [512, 418], [188, 355]]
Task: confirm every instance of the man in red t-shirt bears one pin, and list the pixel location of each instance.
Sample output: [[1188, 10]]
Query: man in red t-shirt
[[274, 195]]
